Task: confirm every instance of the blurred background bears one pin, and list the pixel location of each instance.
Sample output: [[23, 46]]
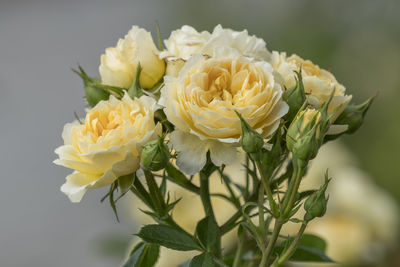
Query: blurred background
[[40, 40]]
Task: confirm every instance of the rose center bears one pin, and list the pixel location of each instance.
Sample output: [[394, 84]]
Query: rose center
[[99, 123], [227, 81]]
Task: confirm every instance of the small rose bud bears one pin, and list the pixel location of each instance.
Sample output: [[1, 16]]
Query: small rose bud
[[93, 94], [353, 115], [315, 205], [155, 155], [251, 141], [294, 97], [303, 137]]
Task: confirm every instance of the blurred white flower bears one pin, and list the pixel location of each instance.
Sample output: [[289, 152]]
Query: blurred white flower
[[362, 220]]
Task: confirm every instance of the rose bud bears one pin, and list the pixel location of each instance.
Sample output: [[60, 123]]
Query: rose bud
[[251, 141], [155, 155], [294, 97], [315, 205]]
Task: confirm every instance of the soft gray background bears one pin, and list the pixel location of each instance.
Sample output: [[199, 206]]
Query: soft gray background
[[40, 40]]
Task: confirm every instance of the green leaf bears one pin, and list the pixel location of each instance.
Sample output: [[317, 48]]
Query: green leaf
[[143, 255], [310, 240], [169, 237], [311, 248], [207, 232], [202, 260]]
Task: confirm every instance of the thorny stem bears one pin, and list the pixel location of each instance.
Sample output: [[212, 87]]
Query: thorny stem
[[261, 209], [267, 188], [271, 243], [239, 251], [206, 200], [290, 196]]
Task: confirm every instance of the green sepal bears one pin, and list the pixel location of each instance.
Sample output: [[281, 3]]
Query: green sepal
[[135, 90], [143, 255]]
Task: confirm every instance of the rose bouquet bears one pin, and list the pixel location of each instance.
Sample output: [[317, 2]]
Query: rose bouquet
[[181, 114]]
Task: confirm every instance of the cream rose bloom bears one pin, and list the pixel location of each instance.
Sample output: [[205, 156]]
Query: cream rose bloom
[[107, 145], [118, 65], [318, 84], [201, 102], [186, 42]]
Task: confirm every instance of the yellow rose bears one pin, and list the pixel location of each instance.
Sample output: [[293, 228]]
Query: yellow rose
[[318, 84], [201, 102], [107, 145], [186, 42], [118, 65]]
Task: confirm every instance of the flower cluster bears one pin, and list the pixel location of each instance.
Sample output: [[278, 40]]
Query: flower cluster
[[189, 109]]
